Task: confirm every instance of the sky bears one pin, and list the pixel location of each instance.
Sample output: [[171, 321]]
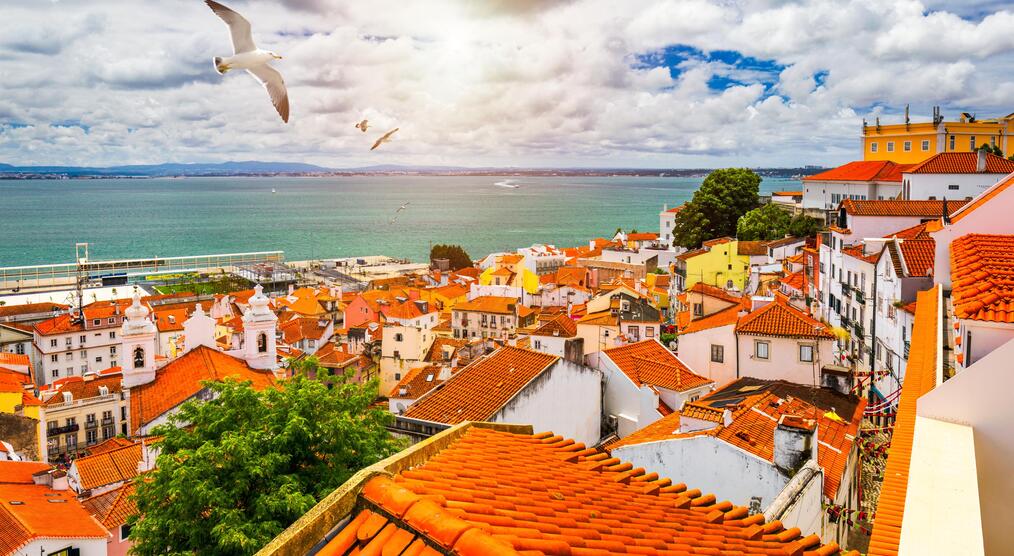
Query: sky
[[532, 83]]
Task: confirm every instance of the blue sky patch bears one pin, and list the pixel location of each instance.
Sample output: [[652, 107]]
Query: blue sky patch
[[732, 67], [72, 123]]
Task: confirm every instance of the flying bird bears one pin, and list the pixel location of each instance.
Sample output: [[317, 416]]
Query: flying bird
[[402, 207], [362, 126], [383, 139], [247, 56]]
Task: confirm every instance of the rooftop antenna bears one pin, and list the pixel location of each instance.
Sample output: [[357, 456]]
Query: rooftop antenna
[[947, 213], [907, 120], [81, 256]]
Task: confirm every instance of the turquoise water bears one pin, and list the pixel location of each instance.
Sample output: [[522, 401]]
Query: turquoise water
[[324, 217]]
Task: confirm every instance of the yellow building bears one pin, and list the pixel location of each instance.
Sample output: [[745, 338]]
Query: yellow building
[[911, 143], [716, 263]]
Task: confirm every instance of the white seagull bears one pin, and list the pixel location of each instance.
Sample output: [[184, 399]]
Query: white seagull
[[247, 56], [383, 139], [362, 126]]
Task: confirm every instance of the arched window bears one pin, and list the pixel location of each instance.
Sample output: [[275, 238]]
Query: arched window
[[138, 357], [262, 343]]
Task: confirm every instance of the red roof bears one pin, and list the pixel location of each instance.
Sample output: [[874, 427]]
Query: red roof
[[562, 326], [781, 319], [961, 163], [895, 207], [920, 378], [113, 508], [417, 382], [112, 466], [919, 255], [29, 511], [863, 170], [7, 311], [714, 291], [496, 493], [649, 362], [489, 304], [480, 390], [181, 379], [81, 389], [982, 277], [725, 317]]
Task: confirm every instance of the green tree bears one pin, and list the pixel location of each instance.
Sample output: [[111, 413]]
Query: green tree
[[804, 226], [455, 253], [766, 222], [992, 149], [237, 470], [716, 207]]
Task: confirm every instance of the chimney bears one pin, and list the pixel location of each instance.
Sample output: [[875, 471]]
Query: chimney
[[795, 442], [980, 161]]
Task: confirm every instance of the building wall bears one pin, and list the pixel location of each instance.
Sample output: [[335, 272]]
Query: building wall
[[621, 399], [695, 351], [713, 267], [985, 337], [898, 135], [99, 351], [117, 546], [469, 324], [783, 359], [87, 547], [939, 186], [58, 415], [565, 399], [710, 465], [993, 217], [597, 338], [826, 195]]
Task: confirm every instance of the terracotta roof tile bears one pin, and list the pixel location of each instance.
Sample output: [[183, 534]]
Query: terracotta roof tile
[[725, 317], [894, 207], [181, 379], [109, 445], [81, 389], [8, 311], [982, 277], [302, 328], [478, 391], [756, 407], [919, 255], [649, 362], [863, 170], [780, 319], [920, 378], [961, 163], [548, 495], [112, 508], [110, 467], [436, 352], [489, 304], [562, 326], [417, 382]]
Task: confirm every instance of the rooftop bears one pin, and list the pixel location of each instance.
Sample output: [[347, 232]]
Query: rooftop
[[895, 207], [112, 466], [649, 362], [112, 508], [863, 170], [562, 326], [478, 391], [982, 277], [961, 163], [778, 318], [481, 489], [489, 304], [417, 382], [81, 389]]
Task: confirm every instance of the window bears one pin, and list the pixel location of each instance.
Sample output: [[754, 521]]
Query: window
[[112, 334], [68, 356], [538, 344], [83, 338], [925, 145], [953, 187], [907, 146], [398, 337], [873, 147], [971, 143], [138, 357], [890, 146], [124, 532], [19, 349], [98, 359], [92, 436], [717, 353], [952, 142], [97, 322], [698, 309], [123, 413], [397, 376], [649, 332], [112, 320], [112, 350], [262, 343], [52, 343], [806, 353], [55, 373], [54, 358], [69, 340], [761, 349]]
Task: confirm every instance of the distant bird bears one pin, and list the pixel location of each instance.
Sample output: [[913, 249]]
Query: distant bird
[[247, 56], [362, 126], [402, 207], [383, 138]]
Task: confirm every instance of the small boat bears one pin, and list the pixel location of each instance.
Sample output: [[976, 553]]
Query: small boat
[[507, 183], [273, 190]]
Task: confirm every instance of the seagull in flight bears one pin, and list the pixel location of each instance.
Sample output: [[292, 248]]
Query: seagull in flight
[[247, 56], [383, 139], [402, 207], [362, 126]]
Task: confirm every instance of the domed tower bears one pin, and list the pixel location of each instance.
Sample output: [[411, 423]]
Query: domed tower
[[140, 342], [259, 325]]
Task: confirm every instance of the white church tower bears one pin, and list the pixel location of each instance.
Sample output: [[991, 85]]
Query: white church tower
[[199, 330], [259, 325], [139, 337]]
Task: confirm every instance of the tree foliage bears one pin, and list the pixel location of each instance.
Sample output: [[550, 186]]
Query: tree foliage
[[771, 222], [992, 149], [716, 207], [249, 463], [454, 253]]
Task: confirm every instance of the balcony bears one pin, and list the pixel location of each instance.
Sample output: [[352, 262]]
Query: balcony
[[858, 329], [908, 346], [107, 421], [860, 296], [62, 430], [846, 323], [89, 425], [846, 290]]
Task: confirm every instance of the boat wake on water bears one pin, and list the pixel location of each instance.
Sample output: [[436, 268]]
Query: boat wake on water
[[509, 184]]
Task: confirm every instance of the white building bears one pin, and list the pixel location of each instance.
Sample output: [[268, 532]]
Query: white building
[[69, 345], [955, 175], [859, 180], [406, 339], [645, 382]]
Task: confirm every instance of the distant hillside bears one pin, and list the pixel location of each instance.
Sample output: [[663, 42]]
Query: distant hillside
[[170, 169]]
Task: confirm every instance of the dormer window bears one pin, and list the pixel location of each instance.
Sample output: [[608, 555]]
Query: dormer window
[[139, 357]]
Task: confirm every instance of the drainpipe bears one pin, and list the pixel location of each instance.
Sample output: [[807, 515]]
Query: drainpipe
[[873, 324], [736, 334]]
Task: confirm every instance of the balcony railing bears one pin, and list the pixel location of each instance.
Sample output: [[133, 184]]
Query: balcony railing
[[846, 290], [860, 296], [91, 425], [908, 345], [107, 421], [846, 322], [858, 329], [61, 430]]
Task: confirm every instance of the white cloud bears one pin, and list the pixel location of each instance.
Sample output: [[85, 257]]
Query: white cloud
[[491, 82]]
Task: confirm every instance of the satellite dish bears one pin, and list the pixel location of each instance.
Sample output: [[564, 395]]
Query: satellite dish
[[400, 407]]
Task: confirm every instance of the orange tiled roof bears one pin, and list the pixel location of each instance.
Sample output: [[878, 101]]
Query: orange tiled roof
[[302, 301], [81, 389], [894, 207], [562, 326], [919, 255], [756, 407], [725, 317], [863, 170], [961, 163], [781, 319], [787, 193], [752, 248], [181, 379], [112, 508], [982, 277], [914, 232], [920, 378], [39, 512], [649, 362], [31, 308], [436, 349], [302, 328], [858, 251], [714, 291], [677, 209], [489, 304], [642, 236], [794, 280], [15, 359], [478, 391], [417, 382], [65, 323], [110, 467], [109, 445], [548, 496]]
